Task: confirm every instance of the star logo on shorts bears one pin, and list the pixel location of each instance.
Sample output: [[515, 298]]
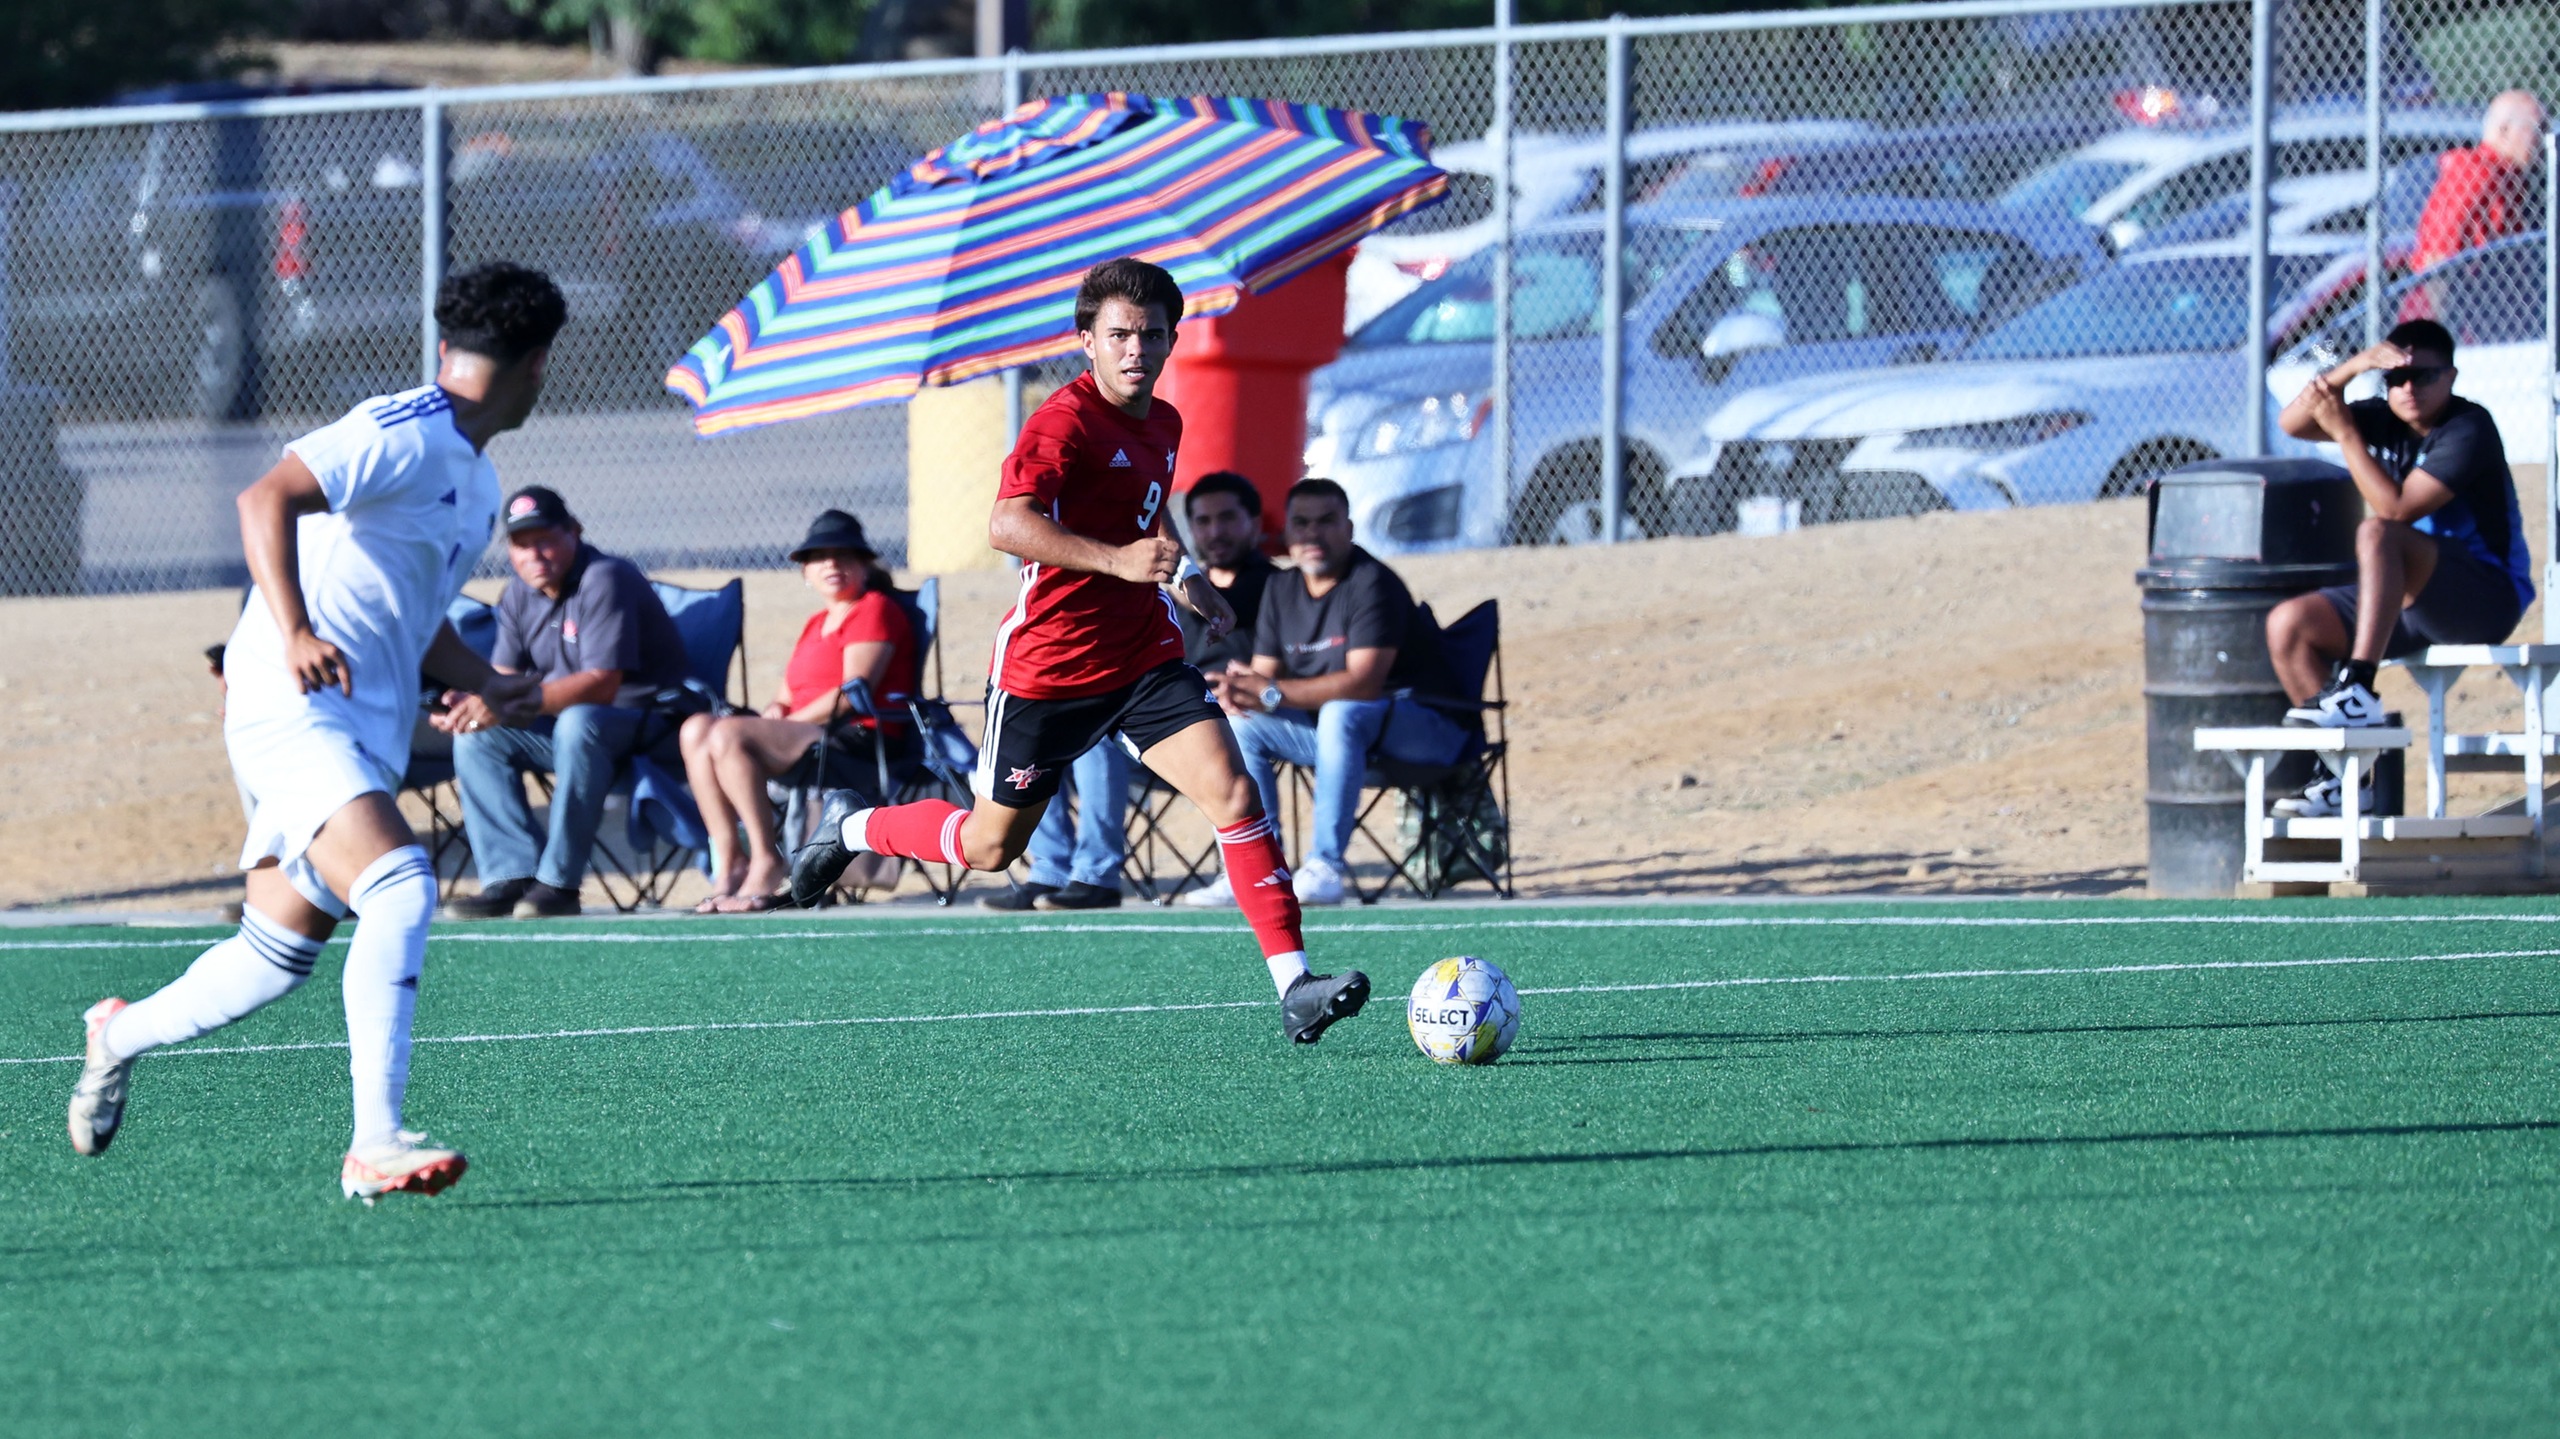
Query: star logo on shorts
[[1023, 778]]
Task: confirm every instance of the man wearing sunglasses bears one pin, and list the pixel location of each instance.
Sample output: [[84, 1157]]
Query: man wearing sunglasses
[[2440, 556]]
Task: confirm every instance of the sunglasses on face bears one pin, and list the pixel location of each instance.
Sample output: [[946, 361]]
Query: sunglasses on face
[[2399, 375]]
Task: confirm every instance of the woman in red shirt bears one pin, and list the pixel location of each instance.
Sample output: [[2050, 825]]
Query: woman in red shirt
[[862, 634]]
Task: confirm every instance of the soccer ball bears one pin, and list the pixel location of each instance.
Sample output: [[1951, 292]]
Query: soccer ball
[[1463, 1011]]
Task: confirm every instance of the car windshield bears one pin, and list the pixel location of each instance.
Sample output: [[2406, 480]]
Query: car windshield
[[2488, 297], [1555, 290], [2181, 306], [2070, 186]]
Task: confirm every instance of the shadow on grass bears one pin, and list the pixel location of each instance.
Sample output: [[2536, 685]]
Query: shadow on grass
[[1824, 1036], [1689, 872], [1491, 1163]]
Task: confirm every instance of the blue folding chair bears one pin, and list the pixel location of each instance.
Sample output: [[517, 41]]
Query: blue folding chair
[[663, 829]]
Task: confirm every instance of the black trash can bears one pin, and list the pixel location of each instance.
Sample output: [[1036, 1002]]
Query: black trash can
[[2230, 539], [40, 499]]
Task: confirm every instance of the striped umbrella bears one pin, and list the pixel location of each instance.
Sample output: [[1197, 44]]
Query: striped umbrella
[[967, 263]]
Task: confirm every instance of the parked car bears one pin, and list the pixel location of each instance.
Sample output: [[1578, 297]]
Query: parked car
[[2491, 299], [227, 268], [2135, 180], [2088, 394], [1551, 176], [1972, 160], [1757, 291], [2326, 204]]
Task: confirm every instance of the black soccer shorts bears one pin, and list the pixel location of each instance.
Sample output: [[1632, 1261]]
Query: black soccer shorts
[[1030, 742]]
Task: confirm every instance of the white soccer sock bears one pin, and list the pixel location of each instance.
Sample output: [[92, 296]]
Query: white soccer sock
[[857, 831], [1285, 968], [393, 900], [261, 964]]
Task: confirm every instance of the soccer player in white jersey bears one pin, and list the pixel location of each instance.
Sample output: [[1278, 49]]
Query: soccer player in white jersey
[[357, 541]]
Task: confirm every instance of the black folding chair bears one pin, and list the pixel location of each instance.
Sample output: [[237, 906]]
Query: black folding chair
[[430, 774], [1157, 865], [933, 760], [1453, 820]]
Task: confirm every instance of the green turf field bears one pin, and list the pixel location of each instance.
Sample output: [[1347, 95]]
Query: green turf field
[[2026, 1168]]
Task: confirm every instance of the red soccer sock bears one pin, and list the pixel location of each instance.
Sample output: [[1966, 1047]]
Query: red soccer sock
[[1258, 874], [928, 829]]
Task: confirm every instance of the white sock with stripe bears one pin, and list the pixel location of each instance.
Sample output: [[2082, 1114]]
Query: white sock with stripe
[[857, 831], [252, 969], [393, 900]]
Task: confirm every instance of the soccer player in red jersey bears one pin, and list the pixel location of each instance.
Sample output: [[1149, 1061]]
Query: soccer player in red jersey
[[1090, 651]]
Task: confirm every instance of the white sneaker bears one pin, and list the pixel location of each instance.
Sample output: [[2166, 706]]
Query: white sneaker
[[2325, 798], [409, 1164], [1318, 882], [1213, 895], [2343, 705], [97, 1102]]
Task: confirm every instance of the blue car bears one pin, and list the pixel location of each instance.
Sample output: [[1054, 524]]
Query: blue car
[[1719, 300]]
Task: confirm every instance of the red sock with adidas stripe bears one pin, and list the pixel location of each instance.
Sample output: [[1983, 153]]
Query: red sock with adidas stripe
[[1258, 874], [928, 829]]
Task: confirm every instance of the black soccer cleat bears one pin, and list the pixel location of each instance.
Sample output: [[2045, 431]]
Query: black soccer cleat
[[1317, 1000], [817, 865]]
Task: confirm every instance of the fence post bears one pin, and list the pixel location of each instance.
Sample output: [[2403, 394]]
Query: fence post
[[1613, 296], [2373, 285], [431, 224], [2550, 387], [1013, 376], [1502, 61], [2261, 104]]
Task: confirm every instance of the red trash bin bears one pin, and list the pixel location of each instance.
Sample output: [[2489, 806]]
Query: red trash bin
[[1240, 380]]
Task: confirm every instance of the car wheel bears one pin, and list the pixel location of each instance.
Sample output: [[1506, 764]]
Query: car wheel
[[218, 353], [1561, 505], [2149, 461]]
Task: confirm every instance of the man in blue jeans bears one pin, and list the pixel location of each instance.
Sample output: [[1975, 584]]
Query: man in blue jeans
[[1338, 651], [589, 624]]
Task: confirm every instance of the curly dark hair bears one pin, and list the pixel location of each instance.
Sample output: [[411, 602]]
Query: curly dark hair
[[500, 310], [1131, 279]]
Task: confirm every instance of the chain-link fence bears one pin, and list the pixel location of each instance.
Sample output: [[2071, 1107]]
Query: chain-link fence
[[1864, 263]]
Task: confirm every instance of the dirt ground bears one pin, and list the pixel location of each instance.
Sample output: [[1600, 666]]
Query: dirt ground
[[1935, 705]]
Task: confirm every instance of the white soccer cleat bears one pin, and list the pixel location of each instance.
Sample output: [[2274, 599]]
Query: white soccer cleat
[[1318, 882], [97, 1103], [410, 1164], [1213, 895]]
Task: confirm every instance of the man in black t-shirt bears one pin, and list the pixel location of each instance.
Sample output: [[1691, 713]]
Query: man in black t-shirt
[[2440, 556], [590, 626], [1338, 648], [1225, 512]]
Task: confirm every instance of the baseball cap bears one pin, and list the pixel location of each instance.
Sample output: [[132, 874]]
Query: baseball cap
[[537, 507]]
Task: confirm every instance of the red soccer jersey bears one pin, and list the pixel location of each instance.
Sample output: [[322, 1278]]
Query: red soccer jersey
[[1104, 476]]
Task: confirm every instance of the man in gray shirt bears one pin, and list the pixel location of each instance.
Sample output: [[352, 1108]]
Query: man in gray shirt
[[589, 624]]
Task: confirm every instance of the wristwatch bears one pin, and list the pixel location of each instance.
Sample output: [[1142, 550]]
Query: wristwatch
[[1270, 698]]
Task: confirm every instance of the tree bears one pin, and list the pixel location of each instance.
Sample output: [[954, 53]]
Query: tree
[[640, 33], [81, 52]]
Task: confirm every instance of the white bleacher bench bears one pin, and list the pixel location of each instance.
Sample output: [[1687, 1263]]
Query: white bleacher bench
[[2525, 750], [2504, 850], [2352, 832]]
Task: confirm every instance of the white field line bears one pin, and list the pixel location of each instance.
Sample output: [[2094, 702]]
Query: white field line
[[749, 934], [1911, 977]]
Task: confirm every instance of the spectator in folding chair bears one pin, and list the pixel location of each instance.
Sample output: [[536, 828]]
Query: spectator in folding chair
[[1339, 649], [863, 634], [1076, 865], [589, 624]]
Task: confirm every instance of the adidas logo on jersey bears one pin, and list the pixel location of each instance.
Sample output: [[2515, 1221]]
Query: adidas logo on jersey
[[1119, 459]]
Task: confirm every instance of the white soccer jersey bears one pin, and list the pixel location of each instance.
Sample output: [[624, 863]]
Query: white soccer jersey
[[411, 508]]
